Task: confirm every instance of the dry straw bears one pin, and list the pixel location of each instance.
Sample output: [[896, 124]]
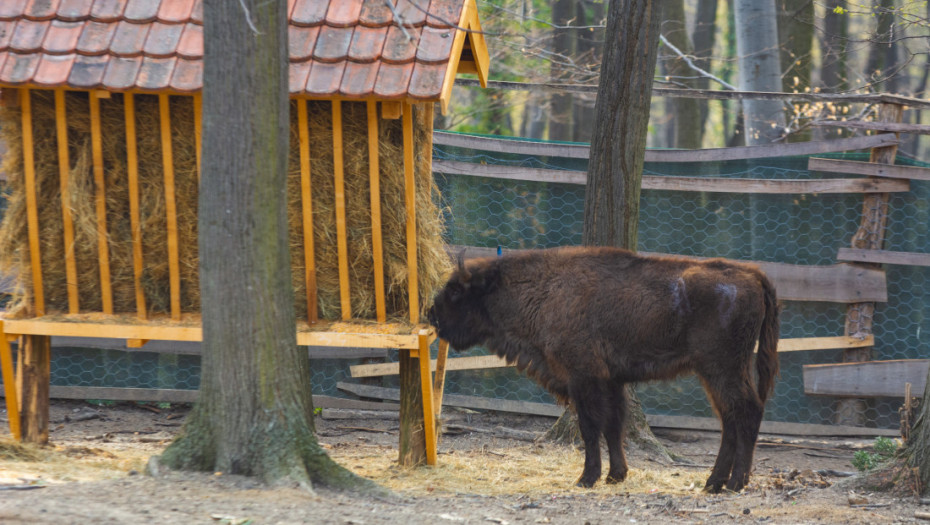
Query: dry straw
[[433, 264]]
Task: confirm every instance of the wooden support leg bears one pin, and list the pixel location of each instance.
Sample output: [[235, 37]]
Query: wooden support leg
[[426, 386], [9, 385], [412, 441], [36, 373], [439, 381]]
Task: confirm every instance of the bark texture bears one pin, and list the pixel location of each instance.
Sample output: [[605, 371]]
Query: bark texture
[[685, 112], [255, 413], [759, 68], [917, 450]]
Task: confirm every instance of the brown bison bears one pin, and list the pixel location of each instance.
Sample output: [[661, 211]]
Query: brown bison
[[584, 322]]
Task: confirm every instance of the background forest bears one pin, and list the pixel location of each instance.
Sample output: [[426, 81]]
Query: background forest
[[877, 46]]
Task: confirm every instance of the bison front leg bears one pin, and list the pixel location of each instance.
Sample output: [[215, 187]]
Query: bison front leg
[[588, 404], [613, 433]]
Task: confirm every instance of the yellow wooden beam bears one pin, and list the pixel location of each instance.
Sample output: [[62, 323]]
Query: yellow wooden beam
[[480, 63], [374, 176], [341, 234], [306, 197], [9, 386], [135, 221], [391, 110], [439, 380], [32, 208], [426, 388], [174, 267], [103, 251], [455, 56], [136, 343], [411, 217], [64, 171]]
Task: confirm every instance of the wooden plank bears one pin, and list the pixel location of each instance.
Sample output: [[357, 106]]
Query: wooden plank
[[481, 362], [374, 177], [883, 257], [356, 340], [581, 151], [391, 110], [654, 182], [135, 221], [800, 344], [341, 235], [866, 379], [103, 251], [32, 207], [892, 127], [321, 401], [768, 427], [458, 43], [413, 294], [474, 402], [9, 386], [439, 380], [837, 283], [174, 266], [116, 331], [871, 169], [64, 174], [306, 198]]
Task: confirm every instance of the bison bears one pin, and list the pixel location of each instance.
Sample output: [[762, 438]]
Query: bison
[[584, 322]]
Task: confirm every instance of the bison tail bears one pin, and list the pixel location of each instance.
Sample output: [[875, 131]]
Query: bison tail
[[767, 358]]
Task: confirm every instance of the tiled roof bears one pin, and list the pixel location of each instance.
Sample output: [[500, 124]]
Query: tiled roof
[[345, 48]]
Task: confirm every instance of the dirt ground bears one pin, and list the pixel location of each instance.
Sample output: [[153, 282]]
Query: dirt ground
[[488, 473]]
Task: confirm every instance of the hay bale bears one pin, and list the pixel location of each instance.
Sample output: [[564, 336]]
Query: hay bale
[[432, 261]]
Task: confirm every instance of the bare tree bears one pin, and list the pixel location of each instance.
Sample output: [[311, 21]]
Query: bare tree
[[254, 415], [759, 70]]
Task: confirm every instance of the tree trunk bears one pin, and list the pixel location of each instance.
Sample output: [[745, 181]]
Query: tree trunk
[[618, 146], [685, 112], [759, 70], [879, 49], [796, 36], [255, 414], [917, 448]]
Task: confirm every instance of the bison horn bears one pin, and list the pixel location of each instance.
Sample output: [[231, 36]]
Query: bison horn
[[461, 264]]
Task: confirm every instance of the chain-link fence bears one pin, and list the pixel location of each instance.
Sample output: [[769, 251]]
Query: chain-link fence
[[797, 229]]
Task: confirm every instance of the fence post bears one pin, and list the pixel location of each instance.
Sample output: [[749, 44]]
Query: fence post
[[35, 357], [869, 236]]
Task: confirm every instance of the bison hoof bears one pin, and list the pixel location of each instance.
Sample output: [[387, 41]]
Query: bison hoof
[[614, 478], [585, 483], [736, 485], [714, 487]]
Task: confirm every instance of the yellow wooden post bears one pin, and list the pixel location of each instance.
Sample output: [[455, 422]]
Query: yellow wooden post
[[64, 170], [410, 202], [306, 197], [374, 175], [426, 386], [174, 267], [32, 208], [9, 385], [135, 221], [341, 235], [103, 251], [439, 382]]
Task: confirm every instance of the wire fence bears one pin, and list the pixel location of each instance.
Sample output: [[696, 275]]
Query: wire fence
[[804, 229]]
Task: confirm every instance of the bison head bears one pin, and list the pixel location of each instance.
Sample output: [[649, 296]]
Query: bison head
[[459, 310]]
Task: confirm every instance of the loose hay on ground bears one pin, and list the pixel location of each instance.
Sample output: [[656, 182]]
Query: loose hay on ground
[[55, 464], [530, 469]]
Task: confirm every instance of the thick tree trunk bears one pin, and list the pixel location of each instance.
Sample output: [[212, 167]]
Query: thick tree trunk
[[759, 68], [618, 146], [254, 415], [703, 36], [796, 37]]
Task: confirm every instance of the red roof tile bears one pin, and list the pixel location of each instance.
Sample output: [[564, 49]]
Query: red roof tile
[[87, 71], [95, 38], [41, 9], [74, 10], [62, 37], [108, 10], [337, 48], [53, 70]]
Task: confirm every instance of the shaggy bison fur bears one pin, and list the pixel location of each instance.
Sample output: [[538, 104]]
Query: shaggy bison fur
[[584, 322]]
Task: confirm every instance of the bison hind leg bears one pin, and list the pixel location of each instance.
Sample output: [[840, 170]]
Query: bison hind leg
[[592, 406], [613, 433]]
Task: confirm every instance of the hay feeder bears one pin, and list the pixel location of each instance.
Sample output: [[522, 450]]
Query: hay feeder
[[101, 116]]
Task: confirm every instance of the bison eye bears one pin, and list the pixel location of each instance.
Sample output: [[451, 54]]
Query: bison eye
[[456, 292]]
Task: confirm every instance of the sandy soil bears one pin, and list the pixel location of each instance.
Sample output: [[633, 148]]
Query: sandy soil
[[92, 473]]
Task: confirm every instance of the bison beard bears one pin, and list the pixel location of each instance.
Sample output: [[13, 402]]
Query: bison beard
[[583, 322]]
